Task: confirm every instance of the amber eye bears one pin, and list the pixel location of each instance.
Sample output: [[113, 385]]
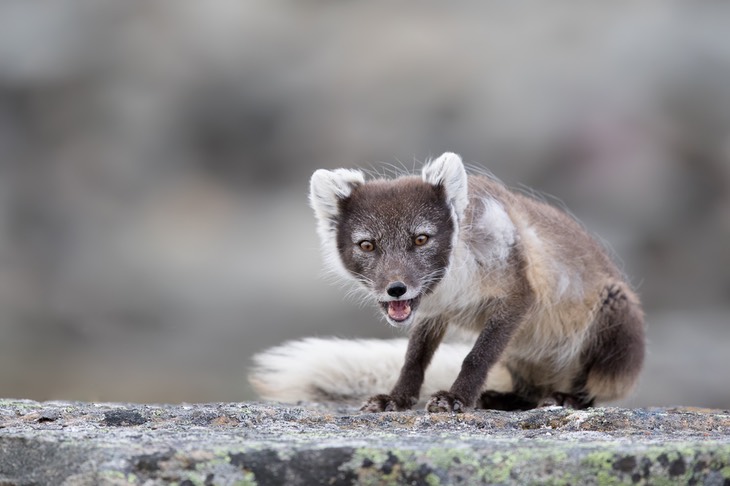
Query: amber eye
[[420, 240], [366, 245]]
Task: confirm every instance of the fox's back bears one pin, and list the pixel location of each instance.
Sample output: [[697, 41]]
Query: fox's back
[[566, 268]]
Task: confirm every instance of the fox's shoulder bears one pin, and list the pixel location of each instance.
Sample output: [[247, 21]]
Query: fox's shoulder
[[520, 206], [530, 214], [561, 257]]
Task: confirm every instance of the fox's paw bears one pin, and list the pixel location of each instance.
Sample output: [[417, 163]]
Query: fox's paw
[[444, 401], [575, 402], [386, 403]]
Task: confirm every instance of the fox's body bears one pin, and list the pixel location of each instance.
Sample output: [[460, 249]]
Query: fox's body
[[554, 319]]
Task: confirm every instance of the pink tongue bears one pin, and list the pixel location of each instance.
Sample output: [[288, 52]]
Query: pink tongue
[[399, 310]]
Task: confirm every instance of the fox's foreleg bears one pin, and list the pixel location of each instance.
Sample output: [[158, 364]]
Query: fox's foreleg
[[422, 343], [486, 351], [488, 348]]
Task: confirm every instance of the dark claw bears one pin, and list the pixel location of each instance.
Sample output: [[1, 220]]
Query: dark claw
[[386, 403], [445, 402]]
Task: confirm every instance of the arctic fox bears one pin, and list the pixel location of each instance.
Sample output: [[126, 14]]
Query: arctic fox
[[554, 320]]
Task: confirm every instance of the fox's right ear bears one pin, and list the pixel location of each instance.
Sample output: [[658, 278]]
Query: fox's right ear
[[328, 187]]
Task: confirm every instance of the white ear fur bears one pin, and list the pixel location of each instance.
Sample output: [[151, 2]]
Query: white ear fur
[[327, 187], [448, 171]]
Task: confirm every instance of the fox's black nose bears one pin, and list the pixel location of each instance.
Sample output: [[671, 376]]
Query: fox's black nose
[[396, 289]]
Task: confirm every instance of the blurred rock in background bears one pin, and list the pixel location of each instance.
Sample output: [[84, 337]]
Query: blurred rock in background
[[155, 156]]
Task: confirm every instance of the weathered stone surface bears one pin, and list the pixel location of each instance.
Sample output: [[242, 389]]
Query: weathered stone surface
[[247, 443]]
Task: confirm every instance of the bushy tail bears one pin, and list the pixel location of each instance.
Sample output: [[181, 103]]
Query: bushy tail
[[340, 370]]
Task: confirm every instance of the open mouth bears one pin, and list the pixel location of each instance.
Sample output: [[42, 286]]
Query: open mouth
[[400, 310]]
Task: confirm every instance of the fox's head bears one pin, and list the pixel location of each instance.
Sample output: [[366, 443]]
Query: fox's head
[[394, 236]]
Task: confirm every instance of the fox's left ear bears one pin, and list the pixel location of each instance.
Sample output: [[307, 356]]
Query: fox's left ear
[[448, 171], [328, 187]]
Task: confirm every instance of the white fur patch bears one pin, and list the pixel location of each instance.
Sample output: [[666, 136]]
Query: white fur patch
[[316, 369], [448, 171], [426, 228], [358, 235], [496, 222], [569, 285], [459, 289]]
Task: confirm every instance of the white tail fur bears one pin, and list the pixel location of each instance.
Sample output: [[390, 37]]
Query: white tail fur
[[315, 369]]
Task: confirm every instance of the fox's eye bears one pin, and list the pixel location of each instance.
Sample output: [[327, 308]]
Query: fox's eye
[[420, 240], [366, 245]]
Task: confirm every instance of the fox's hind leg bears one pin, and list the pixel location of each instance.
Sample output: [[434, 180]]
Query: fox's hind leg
[[511, 401], [494, 400], [614, 355], [576, 401], [610, 362], [522, 395]]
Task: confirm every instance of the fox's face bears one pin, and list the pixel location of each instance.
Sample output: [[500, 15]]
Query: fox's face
[[394, 236]]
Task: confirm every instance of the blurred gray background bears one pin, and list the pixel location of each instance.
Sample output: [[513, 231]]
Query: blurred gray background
[[155, 157]]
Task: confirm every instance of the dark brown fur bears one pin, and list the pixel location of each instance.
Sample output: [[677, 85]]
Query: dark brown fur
[[392, 211]]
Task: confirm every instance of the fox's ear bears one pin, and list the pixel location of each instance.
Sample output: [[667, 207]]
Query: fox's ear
[[448, 171], [328, 187]]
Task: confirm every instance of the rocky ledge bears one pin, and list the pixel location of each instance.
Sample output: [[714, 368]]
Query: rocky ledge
[[249, 443]]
